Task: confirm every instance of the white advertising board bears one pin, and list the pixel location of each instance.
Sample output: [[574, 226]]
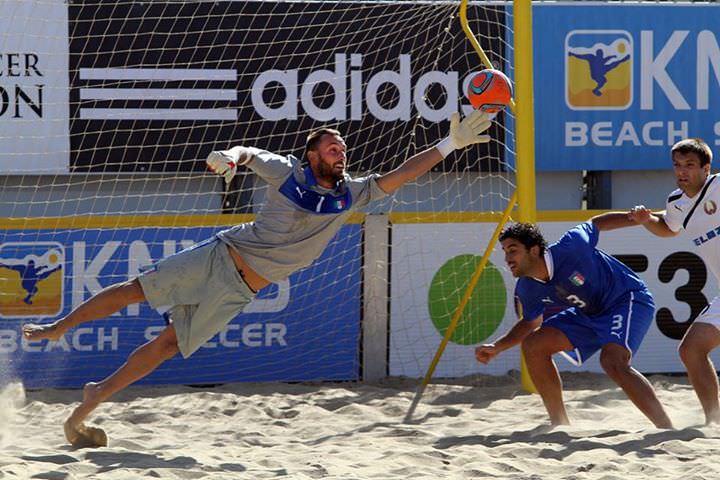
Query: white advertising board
[[34, 87], [419, 253], [425, 255]]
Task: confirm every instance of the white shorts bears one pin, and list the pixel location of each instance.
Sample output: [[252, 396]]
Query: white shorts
[[711, 313]]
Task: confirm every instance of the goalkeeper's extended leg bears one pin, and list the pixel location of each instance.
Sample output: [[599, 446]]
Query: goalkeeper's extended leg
[[106, 302], [140, 363]]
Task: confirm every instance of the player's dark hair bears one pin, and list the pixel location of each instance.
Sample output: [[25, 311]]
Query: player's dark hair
[[696, 146], [526, 233], [314, 137]]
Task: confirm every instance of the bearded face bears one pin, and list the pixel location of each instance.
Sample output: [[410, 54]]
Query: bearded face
[[329, 160], [331, 169]]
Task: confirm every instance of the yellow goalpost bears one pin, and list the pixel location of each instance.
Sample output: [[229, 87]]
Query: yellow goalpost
[[524, 195]]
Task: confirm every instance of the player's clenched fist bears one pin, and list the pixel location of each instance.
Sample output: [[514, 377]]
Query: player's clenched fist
[[485, 353], [222, 164], [639, 214], [225, 162]]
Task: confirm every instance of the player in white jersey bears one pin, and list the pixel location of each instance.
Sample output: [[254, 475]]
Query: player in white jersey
[[693, 208], [210, 283]]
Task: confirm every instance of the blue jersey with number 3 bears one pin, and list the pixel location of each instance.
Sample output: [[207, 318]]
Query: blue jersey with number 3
[[581, 276]]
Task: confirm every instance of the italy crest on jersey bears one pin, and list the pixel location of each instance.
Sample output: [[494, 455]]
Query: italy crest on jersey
[[577, 279]]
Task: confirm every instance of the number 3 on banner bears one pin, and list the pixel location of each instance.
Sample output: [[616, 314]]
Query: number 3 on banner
[[690, 293]]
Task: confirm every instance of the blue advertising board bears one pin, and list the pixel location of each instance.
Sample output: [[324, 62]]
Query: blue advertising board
[[617, 85], [305, 328]]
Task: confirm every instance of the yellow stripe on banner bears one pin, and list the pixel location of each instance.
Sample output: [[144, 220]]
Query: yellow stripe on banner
[[568, 215], [121, 221], [218, 220], [135, 221], [445, 217], [490, 217]]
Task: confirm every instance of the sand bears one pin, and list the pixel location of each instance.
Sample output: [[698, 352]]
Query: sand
[[475, 428]]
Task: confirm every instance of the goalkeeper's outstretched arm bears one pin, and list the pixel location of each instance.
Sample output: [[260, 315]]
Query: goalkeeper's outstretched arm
[[462, 134]]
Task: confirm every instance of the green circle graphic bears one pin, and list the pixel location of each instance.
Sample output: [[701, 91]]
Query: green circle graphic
[[484, 311]]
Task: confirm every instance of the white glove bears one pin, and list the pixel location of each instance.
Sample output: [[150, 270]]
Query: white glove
[[225, 162], [466, 132]]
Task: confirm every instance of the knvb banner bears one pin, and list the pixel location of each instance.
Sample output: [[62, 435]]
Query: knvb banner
[[305, 328], [617, 85]]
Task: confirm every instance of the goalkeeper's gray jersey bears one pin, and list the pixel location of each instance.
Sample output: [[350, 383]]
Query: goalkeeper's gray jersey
[[299, 216]]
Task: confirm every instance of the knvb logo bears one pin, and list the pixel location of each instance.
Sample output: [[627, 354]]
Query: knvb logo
[[598, 69], [31, 279]]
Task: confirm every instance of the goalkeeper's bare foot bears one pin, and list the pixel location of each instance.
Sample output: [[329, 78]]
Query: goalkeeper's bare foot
[[51, 331], [81, 436], [76, 432]]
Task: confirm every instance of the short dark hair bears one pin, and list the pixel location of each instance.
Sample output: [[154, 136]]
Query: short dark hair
[[696, 146], [526, 233], [314, 137]]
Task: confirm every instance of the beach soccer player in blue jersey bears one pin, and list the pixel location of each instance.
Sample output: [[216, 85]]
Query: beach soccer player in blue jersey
[[209, 284], [607, 307]]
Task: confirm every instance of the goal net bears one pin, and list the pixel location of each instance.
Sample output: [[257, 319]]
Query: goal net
[[108, 110]]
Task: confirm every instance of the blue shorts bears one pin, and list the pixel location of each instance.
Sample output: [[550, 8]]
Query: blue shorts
[[624, 323]]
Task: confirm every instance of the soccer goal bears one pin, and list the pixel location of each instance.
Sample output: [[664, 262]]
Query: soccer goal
[[108, 111]]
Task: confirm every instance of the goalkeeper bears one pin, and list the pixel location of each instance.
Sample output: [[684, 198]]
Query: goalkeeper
[[210, 283]]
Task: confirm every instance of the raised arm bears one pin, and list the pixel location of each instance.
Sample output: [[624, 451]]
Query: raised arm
[[653, 222], [17, 268], [612, 220], [639, 215], [462, 134], [581, 56]]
